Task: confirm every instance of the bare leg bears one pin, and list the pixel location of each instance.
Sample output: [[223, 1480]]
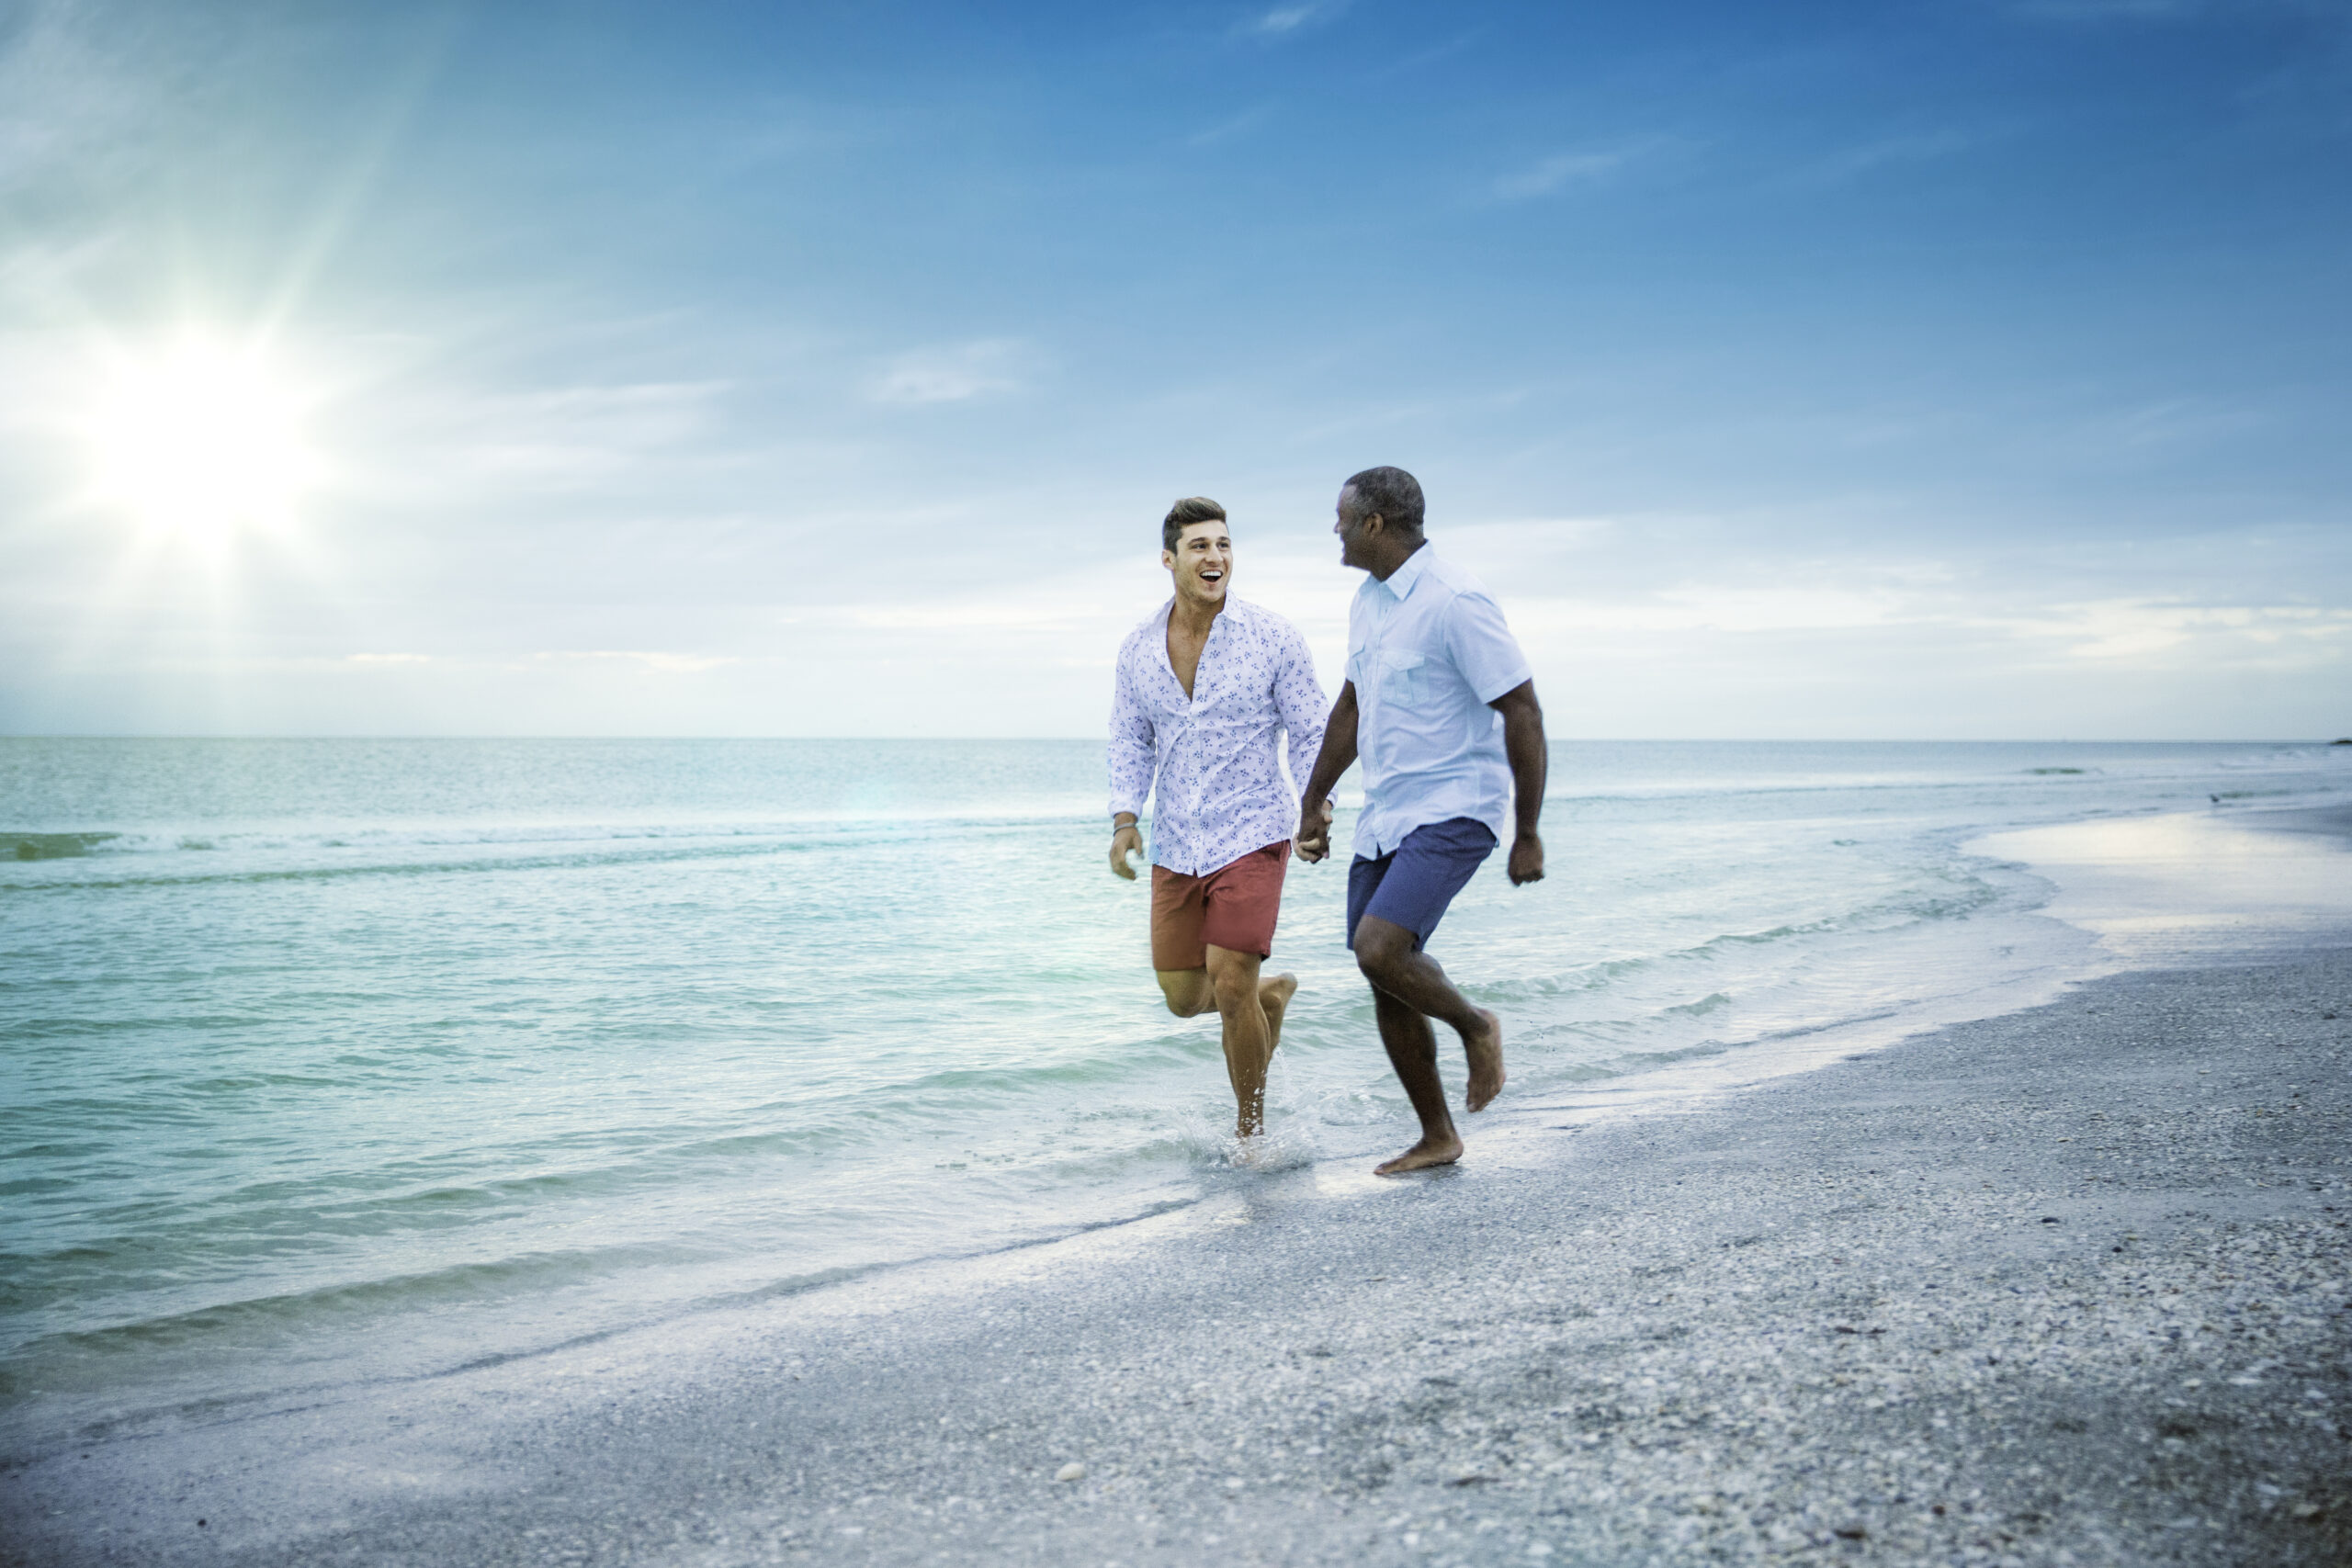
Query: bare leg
[[1386, 955], [1187, 990], [1248, 1042], [1274, 996], [1412, 1051], [1190, 992]]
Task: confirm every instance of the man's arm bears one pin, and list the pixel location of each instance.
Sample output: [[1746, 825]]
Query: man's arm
[[1523, 745], [1134, 759], [1126, 842], [1298, 700], [1337, 755]]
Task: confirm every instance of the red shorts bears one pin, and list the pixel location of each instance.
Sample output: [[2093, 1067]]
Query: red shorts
[[1233, 906]]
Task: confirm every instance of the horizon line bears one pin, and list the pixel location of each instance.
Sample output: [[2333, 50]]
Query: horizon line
[[1026, 739]]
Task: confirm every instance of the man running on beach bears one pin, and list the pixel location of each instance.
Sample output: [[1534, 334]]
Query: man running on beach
[[1205, 689], [1441, 705]]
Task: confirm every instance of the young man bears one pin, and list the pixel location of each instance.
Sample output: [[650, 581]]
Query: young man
[[1205, 690], [1441, 706]]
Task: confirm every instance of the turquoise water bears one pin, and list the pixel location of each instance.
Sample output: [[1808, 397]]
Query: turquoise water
[[329, 1060]]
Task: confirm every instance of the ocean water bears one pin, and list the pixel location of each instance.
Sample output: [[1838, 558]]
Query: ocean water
[[328, 1061]]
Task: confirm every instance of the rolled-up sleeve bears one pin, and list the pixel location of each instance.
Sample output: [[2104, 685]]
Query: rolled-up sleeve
[[1133, 753], [1481, 646], [1298, 697]]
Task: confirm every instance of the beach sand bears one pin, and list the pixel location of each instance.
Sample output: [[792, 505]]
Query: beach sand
[[2071, 1285]]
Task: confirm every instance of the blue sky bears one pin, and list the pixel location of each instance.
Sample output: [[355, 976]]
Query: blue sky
[[1963, 369]]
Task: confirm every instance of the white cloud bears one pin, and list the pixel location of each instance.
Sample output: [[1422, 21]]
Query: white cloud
[[2169, 426], [2108, 10], [1225, 129], [1722, 609], [1886, 152], [62, 104], [1524, 538], [952, 373], [574, 435], [660, 663], [1289, 18], [2159, 633], [1027, 616], [1562, 170], [2148, 636]]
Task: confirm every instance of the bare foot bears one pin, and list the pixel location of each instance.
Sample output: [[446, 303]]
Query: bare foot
[[1274, 996], [1260, 1153], [1421, 1155], [1486, 1054]]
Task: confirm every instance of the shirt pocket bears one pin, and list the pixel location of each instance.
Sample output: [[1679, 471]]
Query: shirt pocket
[[1404, 677]]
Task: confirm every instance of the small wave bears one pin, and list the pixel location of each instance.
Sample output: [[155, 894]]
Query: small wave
[[57, 846], [1703, 1006], [429, 834], [1285, 1146], [261, 857], [350, 1299]]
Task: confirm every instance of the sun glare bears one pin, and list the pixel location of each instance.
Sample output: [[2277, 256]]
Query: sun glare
[[200, 441]]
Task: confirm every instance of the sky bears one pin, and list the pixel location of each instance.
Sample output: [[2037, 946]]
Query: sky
[[1968, 369]]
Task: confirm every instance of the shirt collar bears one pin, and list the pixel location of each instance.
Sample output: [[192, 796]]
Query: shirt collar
[[1231, 604], [1400, 582]]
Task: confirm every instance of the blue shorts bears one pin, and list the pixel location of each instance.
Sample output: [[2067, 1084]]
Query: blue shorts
[[1412, 884]]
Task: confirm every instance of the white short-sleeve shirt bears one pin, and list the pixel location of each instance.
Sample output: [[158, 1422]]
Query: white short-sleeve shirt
[[1427, 650]]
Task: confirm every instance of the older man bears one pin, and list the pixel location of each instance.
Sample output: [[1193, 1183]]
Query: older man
[[1439, 705], [1205, 691]]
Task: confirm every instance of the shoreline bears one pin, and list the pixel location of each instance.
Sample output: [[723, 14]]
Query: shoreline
[[2067, 1284]]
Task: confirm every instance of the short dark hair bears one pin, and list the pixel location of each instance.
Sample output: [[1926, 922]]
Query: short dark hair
[[1392, 493], [1184, 514]]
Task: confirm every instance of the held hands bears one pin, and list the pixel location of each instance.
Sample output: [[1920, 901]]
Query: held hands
[[1314, 842], [1526, 859], [1127, 840]]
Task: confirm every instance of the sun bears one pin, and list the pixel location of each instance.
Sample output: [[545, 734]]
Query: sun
[[199, 440]]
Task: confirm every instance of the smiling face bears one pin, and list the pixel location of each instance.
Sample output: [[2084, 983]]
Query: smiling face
[[1202, 563]]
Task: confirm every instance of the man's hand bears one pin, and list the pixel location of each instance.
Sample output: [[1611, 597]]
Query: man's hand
[[1526, 859], [1530, 760], [1313, 840], [1127, 840]]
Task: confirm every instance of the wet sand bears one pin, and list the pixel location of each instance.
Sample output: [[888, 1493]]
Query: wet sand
[[2071, 1285]]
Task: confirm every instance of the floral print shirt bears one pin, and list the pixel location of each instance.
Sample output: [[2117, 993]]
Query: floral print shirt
[[1208, 763]]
